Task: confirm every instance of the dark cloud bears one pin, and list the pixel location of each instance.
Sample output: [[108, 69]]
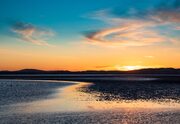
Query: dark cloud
[[166, 11], [22, 26]]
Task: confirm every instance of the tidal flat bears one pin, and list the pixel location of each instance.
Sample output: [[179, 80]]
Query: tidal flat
[[131, 100]]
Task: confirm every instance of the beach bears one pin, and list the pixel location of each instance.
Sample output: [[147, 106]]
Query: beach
[[122, 101]]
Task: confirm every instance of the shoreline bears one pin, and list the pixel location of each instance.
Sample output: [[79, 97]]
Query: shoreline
[[67, 103], [20, 89]]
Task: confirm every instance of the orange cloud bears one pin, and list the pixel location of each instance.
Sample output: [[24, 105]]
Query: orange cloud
[[129, 33], [29, 33]]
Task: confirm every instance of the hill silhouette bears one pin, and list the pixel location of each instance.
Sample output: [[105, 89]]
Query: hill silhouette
[[140, 71]]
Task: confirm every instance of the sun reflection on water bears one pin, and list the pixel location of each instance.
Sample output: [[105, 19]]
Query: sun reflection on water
[[70, 99]]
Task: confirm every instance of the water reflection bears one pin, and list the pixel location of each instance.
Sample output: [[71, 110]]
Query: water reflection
[[97, 97], [112, 102]]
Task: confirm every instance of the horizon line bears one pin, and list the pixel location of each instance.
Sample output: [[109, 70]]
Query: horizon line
[[90, 70]]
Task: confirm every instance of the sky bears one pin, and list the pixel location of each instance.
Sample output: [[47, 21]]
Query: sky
[[89, 34]]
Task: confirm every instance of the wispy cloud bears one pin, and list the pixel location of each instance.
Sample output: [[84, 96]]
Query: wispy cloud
[[30, 33], [135, 28], [128, 34], [103, 67]]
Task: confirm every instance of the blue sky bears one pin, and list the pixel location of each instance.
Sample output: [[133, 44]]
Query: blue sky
[[64, 15], [108, 30]]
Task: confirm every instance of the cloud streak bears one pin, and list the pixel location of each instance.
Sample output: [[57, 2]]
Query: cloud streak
[[103, 67], [128, 34], [137, 28], [30, 33]]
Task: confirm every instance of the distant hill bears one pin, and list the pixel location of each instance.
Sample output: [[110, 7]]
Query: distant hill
[[141, 71]]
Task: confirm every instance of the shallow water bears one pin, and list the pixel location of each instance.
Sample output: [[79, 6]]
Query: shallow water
[[85, 102]]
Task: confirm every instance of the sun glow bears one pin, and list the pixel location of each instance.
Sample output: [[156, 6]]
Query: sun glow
[[129, 68]]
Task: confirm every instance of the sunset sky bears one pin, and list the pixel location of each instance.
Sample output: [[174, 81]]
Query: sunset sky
[[89, 34]]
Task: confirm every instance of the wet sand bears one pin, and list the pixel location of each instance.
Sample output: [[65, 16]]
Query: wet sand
[[98, 117], [29, 101]]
